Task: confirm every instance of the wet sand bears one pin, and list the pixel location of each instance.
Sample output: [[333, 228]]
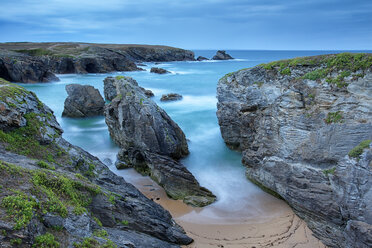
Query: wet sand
[[275, 226]]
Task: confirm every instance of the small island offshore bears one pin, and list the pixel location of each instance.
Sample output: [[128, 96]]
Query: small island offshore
[[190, 124]]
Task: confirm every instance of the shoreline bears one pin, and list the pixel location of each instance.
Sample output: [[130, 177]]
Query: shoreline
[[283, 229]]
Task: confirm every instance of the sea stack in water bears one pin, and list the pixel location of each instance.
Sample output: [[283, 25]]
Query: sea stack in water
[[170, 97], [151, 141], [305, 126], [201, 58], [158, 70], [83, 101], [222, 55]]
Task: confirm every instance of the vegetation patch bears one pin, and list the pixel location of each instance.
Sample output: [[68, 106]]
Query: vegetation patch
[[46, 241], [45, 165], [286, 71], [24, 140], [20, 208], [119, 77], [93, 243], [329, 171], [334, 117], [358, 150], [35, 52], [317, 74]]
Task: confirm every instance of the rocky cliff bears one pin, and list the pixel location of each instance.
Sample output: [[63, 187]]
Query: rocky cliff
[[150, 140], [37, 62], [304, 128], [54, 194]]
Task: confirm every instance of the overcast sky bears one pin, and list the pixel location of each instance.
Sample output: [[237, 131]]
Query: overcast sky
[[193, 24]]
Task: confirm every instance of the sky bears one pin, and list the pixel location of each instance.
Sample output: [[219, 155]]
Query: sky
[[193, 24]]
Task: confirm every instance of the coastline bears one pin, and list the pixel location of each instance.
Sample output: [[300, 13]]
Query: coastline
[[283, 229]]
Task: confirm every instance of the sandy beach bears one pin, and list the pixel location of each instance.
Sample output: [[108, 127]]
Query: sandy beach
[[213, 227]]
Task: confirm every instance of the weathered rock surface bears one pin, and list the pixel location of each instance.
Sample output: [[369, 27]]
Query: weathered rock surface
[[147, 134], [37, 62], [201, 58], [115, 210], [171, 97], [222, 55], [295, 122], [83, 101], [158, 70]]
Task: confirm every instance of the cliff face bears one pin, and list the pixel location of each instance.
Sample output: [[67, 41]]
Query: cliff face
[[53, 193], [37, 62], [297, 123]]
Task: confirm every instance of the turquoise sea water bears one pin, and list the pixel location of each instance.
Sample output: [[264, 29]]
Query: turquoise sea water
[[212, 163]]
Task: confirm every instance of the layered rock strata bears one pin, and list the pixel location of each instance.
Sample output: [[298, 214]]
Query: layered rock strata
[[304, 128]]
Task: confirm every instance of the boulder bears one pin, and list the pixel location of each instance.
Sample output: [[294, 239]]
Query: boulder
[[201, 58], [151, 141], [171, 97], [83, 101], [301, 125], [147, 92], [222, 55], [158, 70]]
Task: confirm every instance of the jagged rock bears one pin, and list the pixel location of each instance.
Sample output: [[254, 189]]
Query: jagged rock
[[134, 120], [171, 97], [111, 92], [222, 55], [201, 58], [150, 141], [148, 93], [158, 70], [129, 218], [37, 62], [83, 101], [295, 122], [17, 67]]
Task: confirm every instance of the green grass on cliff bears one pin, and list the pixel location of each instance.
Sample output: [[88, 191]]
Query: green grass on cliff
[[358, 150], [343, 65]]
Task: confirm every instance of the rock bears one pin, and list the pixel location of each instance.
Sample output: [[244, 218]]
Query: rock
[[134, 120], [151, 141], [171, 97], [222, 55], [17, 67], [295, 127], [109, 203], [83, 101], [37, 62], [148, 93], [158, 70], [201, 58]]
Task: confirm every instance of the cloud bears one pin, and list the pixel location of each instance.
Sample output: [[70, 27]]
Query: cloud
[[193, 23]]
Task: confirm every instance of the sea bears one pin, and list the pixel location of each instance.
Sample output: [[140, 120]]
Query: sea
[[214, 165]]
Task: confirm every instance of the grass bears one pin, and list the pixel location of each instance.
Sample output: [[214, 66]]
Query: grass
[[329, 171], [45, 165], [317, 74], [35, 52], [334, 117], [20, 208], [46, 241], [358, 150], [93, 243], [119, 77]]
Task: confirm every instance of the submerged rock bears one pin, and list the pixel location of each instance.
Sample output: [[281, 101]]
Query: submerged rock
[[146, 134], [83, 101], [297, 122], [171, 97], [201, 58], [158, 70], [75, 195], [222, 55]]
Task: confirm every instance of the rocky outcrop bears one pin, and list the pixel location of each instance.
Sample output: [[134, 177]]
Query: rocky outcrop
[[22, 68], [110, 89], [83, 101], [170, 97], [222, 55], [295, 122], [151, 141], [60, 193], [158, 70], [201, 58], [37, 62]]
